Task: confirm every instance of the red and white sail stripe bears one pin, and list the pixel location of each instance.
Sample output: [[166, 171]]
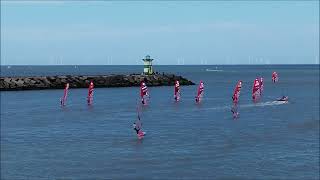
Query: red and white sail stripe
[[236, 92], [256, 90], [275, 77], [144, 92], [65, 94], [200, 92], [177, 91], [90, 93]]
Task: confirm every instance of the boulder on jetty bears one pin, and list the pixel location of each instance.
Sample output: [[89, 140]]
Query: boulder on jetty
[[58, 82]]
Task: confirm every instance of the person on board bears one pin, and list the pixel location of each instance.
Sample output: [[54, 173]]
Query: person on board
[[234, 111], [284, 98], [254, 97], [234, 98], [136, 128]]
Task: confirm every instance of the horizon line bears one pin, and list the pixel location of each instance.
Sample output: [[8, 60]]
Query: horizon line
[[159, 64]]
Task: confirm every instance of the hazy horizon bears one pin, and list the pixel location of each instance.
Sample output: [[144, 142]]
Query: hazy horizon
[[172, 32]]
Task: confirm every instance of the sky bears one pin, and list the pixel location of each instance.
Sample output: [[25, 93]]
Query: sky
[[171, 32]]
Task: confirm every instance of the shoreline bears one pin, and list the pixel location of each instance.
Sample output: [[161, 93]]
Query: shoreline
[[82, 81]]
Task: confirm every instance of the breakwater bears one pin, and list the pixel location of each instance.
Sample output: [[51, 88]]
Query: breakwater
[[58, 82]]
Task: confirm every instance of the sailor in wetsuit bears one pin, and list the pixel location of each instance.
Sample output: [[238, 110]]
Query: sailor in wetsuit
[[253, 97], [135, 128], [284, 98], [234, 111]]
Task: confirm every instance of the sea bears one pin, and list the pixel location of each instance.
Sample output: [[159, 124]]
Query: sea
[[184, 140]]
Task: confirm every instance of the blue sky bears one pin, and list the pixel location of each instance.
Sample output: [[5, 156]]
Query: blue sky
[[172, 32]]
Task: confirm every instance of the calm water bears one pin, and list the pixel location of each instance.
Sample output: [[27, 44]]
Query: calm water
[[41, 140]]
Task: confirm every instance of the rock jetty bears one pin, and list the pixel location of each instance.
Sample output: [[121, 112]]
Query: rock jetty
[[58, 82]]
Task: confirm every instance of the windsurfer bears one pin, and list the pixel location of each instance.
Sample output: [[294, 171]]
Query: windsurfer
[[63, 99], [144, 93], [200, 92], [274, 77], [177, 91], [90, 93], [137, 127]]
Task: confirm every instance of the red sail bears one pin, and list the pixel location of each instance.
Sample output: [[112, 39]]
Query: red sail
[[261, 85], [177, 91], [143, 89], [65, 94], [143, 92], [200, 92], [236, 93], [90, 93], [275, 77], [256, 89]]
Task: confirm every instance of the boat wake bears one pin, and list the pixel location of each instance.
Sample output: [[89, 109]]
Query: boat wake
[[268, 103], [262, 104], [214, 70]]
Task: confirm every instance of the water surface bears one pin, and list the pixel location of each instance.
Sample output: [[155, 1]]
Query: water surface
[[270, 140]]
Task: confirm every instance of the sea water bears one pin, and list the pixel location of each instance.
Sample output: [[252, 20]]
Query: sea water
[[271, 140]]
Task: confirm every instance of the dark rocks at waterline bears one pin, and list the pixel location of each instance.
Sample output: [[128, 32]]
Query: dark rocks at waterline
[[58, 82]]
